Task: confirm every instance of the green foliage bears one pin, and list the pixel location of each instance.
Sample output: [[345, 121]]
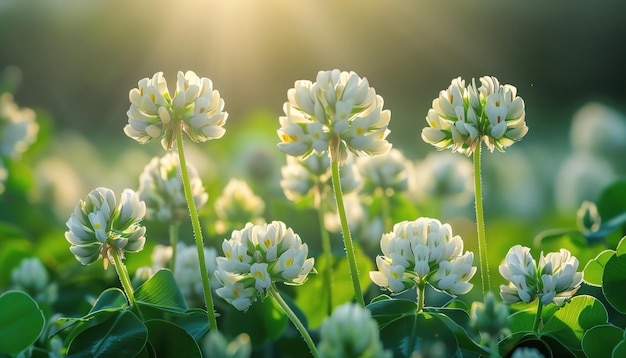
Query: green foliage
[[21, 322]]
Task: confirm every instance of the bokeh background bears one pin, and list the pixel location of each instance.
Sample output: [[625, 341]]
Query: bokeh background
[[75, 61]]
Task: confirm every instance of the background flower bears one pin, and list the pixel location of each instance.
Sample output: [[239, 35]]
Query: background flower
[[237, 206], [18, 128], [161, 188]]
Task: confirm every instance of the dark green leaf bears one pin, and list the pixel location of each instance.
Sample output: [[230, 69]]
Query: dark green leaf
[[112, 299], [614, 281], [464, 340], [419, 333], [119, 336], [389, 310], [170, 340], [161, 291], [194, 321], [21, 322], [599, 341]]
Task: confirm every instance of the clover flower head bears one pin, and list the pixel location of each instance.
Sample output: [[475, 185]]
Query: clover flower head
[[237, 206], [388, 171], [161, 188], [299, 176], [216, 345], [18, 128], [423, 251], [444, 175], [491, 317], [196, 108], [350, 332], [340, 111], [553, 279], [99, 225], [257, 256], [464, 116], [187, 272]]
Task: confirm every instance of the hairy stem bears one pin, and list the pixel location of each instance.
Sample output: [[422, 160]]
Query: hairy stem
[[347, 238], [122, 273], [292, 316], [197, 233], [480, 223], [538, 316]]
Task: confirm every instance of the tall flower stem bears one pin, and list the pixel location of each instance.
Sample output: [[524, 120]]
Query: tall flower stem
[[480, 223], [538, 316], [122, 273], [326, 247], [347, 238], [173, 243], [273, 292], [197, 233]]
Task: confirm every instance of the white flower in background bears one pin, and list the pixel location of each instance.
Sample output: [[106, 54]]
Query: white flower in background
[[444, 175], [388, 171], [350, 332], [599, 129], [554, 279], [354, 212], [18, 128], [423, 251], [187, 272], [161, 188], [32, 277], [99, 224], [257, 256], [196, 108], [301, 175], [237, 206], [527, 352], [462, 117], [216, 345], [339, 111]]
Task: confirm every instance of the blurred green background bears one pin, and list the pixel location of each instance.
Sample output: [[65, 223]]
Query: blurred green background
[[77, 60]]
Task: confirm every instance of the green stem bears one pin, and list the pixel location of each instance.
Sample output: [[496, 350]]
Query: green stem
[[421, 289], [538, 316], [173, 243], [347, 238], [480, 223], [273, 292], [328, 272], [122, 273], [197, 233]]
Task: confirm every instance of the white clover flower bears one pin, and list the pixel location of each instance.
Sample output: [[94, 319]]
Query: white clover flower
[[31, 276], [161, 188], [216, 345], [350, 332], [444, 175], [196, 109], [338, 111], [237, 206], [257, 256], [187, 270], [388, 171], [423, 251], [301, 175], [100, 225], [554, 279], [18, 128], [461, 117]]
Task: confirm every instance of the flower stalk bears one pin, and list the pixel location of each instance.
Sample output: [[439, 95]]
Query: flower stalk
[[538, 316], [273, 292], [195, 222], [345, 230], [122, 273], [483, 257]]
